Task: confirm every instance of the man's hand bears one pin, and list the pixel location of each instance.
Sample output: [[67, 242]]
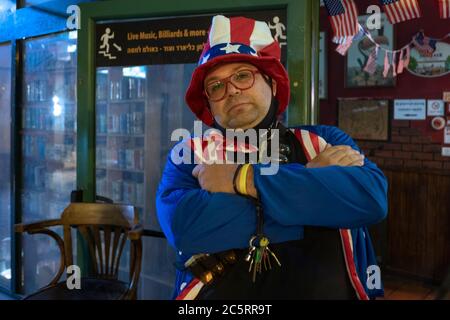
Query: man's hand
[[219, 178], [344, 156], [215, 177]]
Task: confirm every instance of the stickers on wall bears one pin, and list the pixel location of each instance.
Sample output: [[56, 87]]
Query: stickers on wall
[[446, 96], [435, 108], [446, 151], [447, 135]]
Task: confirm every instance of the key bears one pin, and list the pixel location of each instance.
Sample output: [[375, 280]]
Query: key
[[263, 243], [274, 256], [268, 260], [258, 255], [257, 263], [250, 254]]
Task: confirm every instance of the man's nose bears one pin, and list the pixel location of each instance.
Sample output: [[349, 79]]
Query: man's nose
[[232, 89]]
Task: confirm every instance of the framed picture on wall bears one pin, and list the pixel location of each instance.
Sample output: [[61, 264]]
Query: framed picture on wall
[[357, 55], [364, 119], [322, 66]]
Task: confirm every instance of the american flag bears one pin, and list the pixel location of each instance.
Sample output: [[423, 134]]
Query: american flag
[[425, 45], [444, 8], [401, 10], [343, 16], [371, 65]]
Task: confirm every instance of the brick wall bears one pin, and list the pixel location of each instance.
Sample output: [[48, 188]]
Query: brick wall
[[409, 148]]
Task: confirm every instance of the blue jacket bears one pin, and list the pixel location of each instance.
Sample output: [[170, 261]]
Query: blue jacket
[[349, 198]]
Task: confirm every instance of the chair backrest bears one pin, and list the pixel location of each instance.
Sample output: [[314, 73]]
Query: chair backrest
[[104, 228]]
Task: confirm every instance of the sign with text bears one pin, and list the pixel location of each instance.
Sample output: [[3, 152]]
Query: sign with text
[[169, 40], [445, 151], [409, 109], [435, 108], [447, 135]]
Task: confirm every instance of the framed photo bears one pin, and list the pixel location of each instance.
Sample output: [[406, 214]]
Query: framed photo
[[357, 55], [437, 65], [364, 119], [322, 66]]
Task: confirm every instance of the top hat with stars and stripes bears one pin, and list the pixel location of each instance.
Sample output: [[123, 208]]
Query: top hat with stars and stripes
[[237, 39]]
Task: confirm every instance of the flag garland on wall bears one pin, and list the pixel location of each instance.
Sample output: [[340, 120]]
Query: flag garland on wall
[[343, 17], [343, 14], [398, 60]]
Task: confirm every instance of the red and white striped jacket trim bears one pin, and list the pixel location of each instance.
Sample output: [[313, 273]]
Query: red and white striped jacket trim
[[313, 145], [191, 291]]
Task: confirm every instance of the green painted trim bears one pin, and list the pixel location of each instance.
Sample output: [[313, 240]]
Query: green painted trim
[[85, 127], [299, 60], [86, 110], [315, 38]]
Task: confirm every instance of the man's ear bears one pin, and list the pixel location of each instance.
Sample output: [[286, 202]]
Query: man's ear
[[274, 87]]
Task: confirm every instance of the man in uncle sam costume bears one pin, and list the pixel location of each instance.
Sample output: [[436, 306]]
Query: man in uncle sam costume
[[300, 233]]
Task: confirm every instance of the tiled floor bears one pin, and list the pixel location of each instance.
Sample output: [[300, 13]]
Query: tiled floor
[[397, 288]]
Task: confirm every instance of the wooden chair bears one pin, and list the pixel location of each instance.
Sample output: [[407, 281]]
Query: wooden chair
[[117, 224]]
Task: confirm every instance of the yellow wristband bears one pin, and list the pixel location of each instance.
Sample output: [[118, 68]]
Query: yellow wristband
[[243, 179]]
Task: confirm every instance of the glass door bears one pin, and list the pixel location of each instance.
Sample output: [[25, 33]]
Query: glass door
[[48, 135], [137, 108]]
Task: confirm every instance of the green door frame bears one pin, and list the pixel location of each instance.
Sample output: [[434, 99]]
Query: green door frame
[[302, 62]]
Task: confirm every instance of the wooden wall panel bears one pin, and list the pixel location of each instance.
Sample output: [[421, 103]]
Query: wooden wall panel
[[418, 226]]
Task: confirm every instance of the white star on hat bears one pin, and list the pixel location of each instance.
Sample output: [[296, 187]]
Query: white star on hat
[[205, 58], [231, 48]]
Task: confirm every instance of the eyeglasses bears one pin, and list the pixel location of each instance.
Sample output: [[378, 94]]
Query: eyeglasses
[[242, 80]]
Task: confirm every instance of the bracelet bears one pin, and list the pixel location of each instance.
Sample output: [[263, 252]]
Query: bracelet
[[236, 173], [243, 179]]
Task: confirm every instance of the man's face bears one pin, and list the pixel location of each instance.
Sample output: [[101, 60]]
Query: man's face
[[240, 108]]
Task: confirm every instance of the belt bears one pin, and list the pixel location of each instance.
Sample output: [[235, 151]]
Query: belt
[[209, 267]]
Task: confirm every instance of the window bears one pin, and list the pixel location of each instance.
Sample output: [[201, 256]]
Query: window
[[7, 6], [48, 134], [5, 164]]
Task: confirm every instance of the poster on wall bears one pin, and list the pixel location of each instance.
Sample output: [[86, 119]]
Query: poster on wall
[[322, 67], [364, 119], [447, 135], [437, 65], [170, 40], [358, 54], [410, 109], [446, 96]]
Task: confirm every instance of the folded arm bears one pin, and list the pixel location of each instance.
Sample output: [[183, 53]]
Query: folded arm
[[333, 196]]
